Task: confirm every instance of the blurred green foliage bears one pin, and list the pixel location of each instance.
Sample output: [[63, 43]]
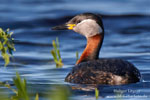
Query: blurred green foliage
[[77, 56], [20, 93], [20, 90], [6, 45], [96, 93], [56, 53], [8, 86], [3, 95], [21, 86], [37, 97], [60, 92]]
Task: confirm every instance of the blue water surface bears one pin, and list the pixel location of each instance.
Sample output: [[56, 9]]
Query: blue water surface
[[127, 36]]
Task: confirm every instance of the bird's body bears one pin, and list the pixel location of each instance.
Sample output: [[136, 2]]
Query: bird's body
[[89, 69], [104, 71]]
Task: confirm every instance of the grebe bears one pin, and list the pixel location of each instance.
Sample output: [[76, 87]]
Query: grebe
[[89, 69]]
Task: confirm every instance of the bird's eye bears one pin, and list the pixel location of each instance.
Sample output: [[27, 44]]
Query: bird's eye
[[78, 21]]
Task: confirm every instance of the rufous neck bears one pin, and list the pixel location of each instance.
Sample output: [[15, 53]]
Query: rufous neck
[[91, 52]]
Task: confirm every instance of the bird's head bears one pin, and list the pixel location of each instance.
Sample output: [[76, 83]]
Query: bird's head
[[87, 24]]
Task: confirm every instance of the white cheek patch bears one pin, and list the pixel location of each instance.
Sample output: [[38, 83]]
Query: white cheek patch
[[88, 28]]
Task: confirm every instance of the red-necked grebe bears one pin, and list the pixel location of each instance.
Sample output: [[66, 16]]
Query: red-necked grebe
[[89, 69]]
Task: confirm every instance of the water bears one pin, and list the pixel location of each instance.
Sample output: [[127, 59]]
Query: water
[[127, 30]]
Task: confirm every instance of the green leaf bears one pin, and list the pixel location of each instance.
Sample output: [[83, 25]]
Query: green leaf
[[96, 93], [21, 87], [56, 53], [1, 45], [6, 58], [59, 57], [37, 97], [54, 45], [21, 92], [77, 56], [6, 45]]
